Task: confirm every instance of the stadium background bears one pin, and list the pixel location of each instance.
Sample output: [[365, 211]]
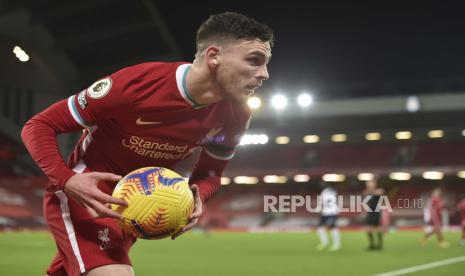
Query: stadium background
[[387, 88]]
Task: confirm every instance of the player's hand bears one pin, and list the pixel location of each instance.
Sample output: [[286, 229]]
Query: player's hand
[[196, 213], [83, 188]]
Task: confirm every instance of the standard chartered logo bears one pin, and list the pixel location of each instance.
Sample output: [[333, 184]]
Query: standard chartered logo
[[157, 150]]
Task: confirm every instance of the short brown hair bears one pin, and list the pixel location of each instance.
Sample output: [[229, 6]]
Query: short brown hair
[[232, 25]]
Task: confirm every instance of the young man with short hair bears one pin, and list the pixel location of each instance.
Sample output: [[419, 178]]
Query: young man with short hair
[[150, 114]]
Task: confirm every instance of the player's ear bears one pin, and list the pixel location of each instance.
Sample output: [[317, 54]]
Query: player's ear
[[212, 54]]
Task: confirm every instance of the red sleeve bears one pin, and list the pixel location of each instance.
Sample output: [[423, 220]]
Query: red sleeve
[[218, 149], [100, 101], [104, 99], [107, 97], [39, 136]]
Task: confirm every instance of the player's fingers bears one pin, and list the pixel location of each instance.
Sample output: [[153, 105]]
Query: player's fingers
[[186, 228], [105, 198], [191, 224], [104, 211], [81, 200], [85, 201], [195, 191], [198, 209], [177, 234], [197, 212], [106, 176], [193, 220], [91, 211]]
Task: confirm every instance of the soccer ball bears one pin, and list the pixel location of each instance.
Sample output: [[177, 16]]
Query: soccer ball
[[160, 202]]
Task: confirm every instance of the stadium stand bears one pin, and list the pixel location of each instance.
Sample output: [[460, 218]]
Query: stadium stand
[[241, 206]]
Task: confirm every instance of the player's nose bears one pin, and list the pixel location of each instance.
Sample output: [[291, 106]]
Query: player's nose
[[262, 74]]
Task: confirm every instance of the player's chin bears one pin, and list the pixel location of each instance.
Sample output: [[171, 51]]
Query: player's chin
[[246, 96], [250, 92]]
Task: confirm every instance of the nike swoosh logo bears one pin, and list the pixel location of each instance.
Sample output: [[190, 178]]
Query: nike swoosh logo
[[140, 122]]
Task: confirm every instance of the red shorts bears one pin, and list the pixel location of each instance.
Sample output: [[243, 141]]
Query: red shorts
[[84, 242]]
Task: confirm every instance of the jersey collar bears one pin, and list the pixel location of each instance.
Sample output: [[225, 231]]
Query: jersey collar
[[181, 73]]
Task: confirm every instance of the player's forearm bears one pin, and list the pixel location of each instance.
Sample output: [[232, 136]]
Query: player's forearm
[[207, 175], [39, 136], [40, 141]]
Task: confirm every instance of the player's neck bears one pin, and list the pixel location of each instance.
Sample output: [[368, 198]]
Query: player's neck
[[201, 86]]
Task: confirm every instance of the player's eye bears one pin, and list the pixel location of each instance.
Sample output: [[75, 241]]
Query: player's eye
[[255, 61]]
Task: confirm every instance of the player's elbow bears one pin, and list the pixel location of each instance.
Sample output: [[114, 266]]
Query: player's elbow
[[28, 129]]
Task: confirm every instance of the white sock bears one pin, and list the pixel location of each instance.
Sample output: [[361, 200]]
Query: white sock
[[323, 236], [336, 237]]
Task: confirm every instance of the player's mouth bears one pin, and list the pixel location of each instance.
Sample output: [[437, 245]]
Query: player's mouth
[[251, 88]]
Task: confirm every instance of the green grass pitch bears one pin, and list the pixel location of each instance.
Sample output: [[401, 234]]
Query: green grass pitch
[[28, 253]]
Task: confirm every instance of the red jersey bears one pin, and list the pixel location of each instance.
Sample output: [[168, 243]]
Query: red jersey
[[437, 204], [139, 116]]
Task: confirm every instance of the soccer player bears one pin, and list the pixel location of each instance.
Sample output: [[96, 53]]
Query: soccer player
[[373, 216], [461, 209], [328, 218], [435, 207], [150, 114]]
